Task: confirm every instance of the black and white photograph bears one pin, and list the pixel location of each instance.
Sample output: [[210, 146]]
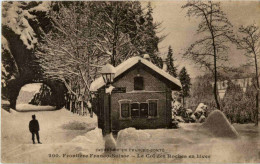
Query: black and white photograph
[[171, 81]]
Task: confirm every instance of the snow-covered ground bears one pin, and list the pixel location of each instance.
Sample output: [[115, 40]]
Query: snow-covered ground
[[68, 134], [30, 107], [56, 134]]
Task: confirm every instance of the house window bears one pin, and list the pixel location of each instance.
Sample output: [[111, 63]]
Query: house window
[[124, 108], [135, 112], [138, 83], [153, 108], [138, 110], [144, 110]]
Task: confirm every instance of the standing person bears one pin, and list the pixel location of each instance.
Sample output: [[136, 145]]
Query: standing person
[[34, 129]]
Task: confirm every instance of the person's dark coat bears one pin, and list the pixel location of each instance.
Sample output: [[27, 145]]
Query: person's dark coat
[[34, 126]]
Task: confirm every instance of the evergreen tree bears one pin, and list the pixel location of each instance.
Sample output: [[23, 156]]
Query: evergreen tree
[[234, 104], [249, 42], [201, 92], [250, 102], [150, 39], [185, 82], [170, 65], [43, 97]]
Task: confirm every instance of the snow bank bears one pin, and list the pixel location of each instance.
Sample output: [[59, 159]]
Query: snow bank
[[93, 136], [110, 142], [75, 125], [12, 111], [219, 126], [5, 113], [131, 135], [29, 107]]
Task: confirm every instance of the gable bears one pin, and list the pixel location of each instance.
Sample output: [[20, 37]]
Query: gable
[[150, 78], [131, 64]]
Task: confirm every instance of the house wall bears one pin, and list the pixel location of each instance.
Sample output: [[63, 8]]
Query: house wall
[[153, 89]]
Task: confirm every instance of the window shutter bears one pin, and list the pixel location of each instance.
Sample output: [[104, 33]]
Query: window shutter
[[125, 110], [144, 110], [135, 110], [153, 108]]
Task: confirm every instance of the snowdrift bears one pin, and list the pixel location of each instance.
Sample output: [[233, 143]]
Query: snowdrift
[[29, 107], [94, 136], [219, 126], [131, 135]]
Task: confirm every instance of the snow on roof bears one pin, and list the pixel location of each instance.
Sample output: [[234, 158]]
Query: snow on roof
[[99, 82]]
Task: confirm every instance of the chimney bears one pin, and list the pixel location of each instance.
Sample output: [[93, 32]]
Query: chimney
[[147, 57], [164, 65]]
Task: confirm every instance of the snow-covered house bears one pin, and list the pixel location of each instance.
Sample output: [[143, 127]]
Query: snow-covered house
[[141, 97]]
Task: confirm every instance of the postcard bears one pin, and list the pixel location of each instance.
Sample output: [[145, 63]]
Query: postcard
[[130, 81]]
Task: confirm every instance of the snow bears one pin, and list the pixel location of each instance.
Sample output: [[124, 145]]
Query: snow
[[94, 136], [110, 89], [189, 111], [29, 107], [16, 19], [43, 7], [219, 126], [179, 119], [131, 135], [201, 108], [193, 117], [4, 43], [202, 118], [110, 142], [189, 139], [89, 104], [17, 146], [176, 105], [99, 82]]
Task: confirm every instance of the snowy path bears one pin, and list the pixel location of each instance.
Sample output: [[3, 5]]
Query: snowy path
[[31, 108], [16, 138]]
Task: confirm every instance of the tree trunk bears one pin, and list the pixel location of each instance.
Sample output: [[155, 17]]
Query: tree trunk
[[70, 105], [257, 108], [183, 101], [115, 37], [215, 72], [82, 108], [257, 89], [216, 90]]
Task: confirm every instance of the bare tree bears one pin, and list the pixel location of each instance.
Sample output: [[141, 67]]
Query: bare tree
[[85, 36], [215, 31], [249, 42], [68, 53]]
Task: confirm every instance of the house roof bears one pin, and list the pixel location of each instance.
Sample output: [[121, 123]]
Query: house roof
[[129, 63]]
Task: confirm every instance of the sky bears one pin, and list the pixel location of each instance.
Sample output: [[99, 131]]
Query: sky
[[181, 30]]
